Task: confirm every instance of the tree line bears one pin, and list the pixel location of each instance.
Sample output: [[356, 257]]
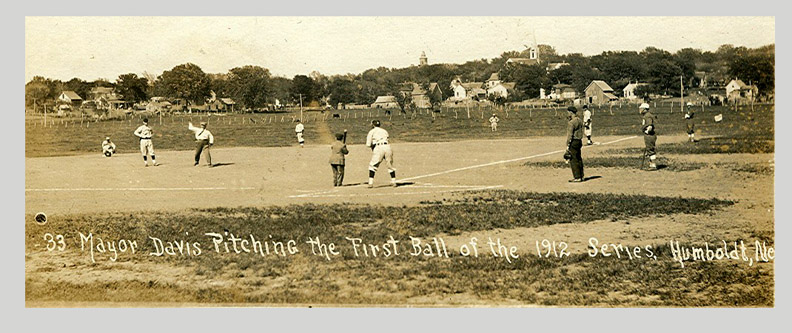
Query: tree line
[[254, 87]]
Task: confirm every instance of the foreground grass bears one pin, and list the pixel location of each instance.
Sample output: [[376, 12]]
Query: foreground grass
[[748, 128], [213, 277]]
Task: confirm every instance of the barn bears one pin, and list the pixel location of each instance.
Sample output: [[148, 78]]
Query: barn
[[599, 92]]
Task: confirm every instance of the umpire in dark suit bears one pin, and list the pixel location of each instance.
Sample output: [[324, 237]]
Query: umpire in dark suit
[[338, 150], [574, 141]]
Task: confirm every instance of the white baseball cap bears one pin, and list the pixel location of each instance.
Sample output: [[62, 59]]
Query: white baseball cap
[[644, 106]]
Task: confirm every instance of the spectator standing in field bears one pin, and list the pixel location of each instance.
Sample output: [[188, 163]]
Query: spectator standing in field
[[574, 142]]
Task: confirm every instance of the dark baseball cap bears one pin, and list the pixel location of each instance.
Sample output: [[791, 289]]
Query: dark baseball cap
[[572, 109]]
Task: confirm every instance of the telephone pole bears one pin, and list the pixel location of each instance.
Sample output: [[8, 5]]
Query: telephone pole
[[301, 108]]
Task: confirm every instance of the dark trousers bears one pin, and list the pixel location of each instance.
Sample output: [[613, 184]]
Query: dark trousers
[[201, 145], [576, 162], [338, 174]]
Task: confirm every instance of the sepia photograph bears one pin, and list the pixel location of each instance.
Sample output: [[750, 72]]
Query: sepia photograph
[[399, 161]]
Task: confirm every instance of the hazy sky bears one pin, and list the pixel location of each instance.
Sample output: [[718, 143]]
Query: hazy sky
[[104, 47]]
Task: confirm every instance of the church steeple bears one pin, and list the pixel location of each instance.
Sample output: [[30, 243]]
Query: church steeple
[[423, 61]]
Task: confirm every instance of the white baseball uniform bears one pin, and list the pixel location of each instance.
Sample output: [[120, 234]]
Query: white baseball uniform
[[108, 147], [299, 129], [494, 122], [378, 138], [144, 132], [587, 122]]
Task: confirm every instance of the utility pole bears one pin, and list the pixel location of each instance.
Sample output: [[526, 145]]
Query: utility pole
[[301, 108], [681, 95]]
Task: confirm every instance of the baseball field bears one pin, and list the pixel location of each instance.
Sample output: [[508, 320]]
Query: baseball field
[[478, 218]]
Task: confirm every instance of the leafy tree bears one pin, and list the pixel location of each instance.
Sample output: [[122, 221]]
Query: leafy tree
[[39, 90], [529, 79], [185, 81], [249, 85], [303, 86], [341, 90], [755, 67], [132, 88]]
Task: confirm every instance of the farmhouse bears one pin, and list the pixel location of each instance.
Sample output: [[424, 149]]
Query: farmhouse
[[70, 97], [496, 87], [738, 91], [599, 92], [385, 102], [420, 96], [469, 90], [629, 90], [562, 91], [221, 104]]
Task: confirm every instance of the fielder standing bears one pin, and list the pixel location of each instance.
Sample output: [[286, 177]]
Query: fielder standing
[[377, 140], [691, 124], [144, 132], [574, 142], [494, 122], [648, 126], [587, 124], [203, 139], [299, 129]]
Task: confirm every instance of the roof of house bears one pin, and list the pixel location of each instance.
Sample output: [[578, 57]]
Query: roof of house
[[385, 99], [610, 96], [631, 86], [494, 77], [101, 90], [433, 86], [740, 83], [472, 85], [227, 101], [524, 61], [71, 95], [509, 85], [601, 85]]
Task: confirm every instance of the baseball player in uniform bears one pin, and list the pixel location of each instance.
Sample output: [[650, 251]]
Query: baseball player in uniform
[[574, 142], [108, 147], [494, 122], [648, 126], [377, 140], [691, 124], [299, 129], [203, 139], [337, 151], [587, 124], [144, 133]]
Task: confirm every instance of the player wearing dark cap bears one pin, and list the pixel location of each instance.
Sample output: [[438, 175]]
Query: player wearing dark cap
[[574, 142]]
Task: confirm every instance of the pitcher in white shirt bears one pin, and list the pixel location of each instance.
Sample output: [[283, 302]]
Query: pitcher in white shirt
[[204, 139], [377, 140]]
